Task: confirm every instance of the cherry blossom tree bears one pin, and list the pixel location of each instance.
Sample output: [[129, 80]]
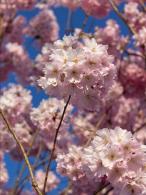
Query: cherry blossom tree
[[92, 124]]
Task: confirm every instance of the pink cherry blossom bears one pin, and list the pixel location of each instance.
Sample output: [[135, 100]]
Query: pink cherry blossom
[[43, 27], [91, 128], [46, 118], [69, 67], [15, 100], [110, 158]]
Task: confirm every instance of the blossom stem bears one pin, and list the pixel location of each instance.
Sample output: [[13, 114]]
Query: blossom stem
[[54, 144], [34, 183]]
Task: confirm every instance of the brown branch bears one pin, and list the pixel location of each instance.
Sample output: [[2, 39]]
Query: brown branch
[[85, 22], [54, 144], [143, 5], [139, 128], [135, 54], [121, 16], [34, 167], [34, 184], [1, 25], [98, 192], [16, 185], [108, 191]]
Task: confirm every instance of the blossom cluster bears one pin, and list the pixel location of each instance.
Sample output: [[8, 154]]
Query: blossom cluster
[[15, 100], [96, 8], [43, 27], [13, 5], [46, 118], [113, 156], [15, 29], [83, 68]]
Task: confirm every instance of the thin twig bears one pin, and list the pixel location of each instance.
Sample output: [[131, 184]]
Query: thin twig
[[16, 185], [139, 128], [121, 16], [54, 144], [101, 188], [143, 5], [1, 26], [69, 28], [101, 119], [85, 22], [34, 184], [135, 54], [24, 180], [34, 167], [109, 190], [91, 25]]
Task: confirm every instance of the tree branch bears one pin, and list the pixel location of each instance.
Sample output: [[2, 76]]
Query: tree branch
[[34, 184], [16, 185], [121, 16], [54, 144]]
